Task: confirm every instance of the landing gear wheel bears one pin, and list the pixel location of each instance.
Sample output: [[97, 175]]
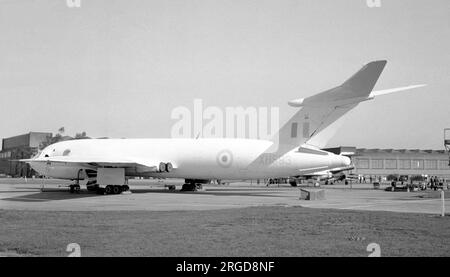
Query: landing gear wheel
[[117, 189], [74, 189], [125, 188], [109, 189]]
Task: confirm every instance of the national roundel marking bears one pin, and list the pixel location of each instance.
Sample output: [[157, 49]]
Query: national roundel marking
[[225, 158]]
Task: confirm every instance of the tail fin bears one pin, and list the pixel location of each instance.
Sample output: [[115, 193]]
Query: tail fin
[[321, 110], [363, 82]]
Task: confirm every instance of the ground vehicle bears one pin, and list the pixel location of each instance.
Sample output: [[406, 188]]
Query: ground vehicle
[[351, 178], [418, 182], [398, 182]]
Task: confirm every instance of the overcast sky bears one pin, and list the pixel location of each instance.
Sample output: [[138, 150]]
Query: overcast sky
[[118, 68]]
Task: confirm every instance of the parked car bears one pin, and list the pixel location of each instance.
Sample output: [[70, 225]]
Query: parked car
[[398, 182], [418, 182]]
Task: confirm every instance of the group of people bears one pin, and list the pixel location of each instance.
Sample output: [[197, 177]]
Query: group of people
[[435, 182], [371, 179]]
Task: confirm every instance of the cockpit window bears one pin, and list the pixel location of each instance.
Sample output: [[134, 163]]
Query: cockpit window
[[66, 152]]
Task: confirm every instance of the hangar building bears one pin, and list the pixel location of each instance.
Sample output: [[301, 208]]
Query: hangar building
[[383, 162], [20, 147]]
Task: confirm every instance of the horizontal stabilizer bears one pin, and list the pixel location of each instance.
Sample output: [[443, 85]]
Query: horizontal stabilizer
[[392, 90], [312, 169], [356, 89]]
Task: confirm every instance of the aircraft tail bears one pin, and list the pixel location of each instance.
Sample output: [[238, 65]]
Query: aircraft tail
[[321, 110], [362, 82]]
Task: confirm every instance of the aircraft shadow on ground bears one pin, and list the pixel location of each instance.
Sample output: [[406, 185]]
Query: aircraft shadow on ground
[[50, 195], [16, 191], [63, 194], [216, 192]]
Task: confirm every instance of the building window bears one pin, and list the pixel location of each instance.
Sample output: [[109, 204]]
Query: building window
[[362, 163], [390, 164], [417, 164], [404, 164], [443, 165], [430, 164], [377, 164], [5, 155]]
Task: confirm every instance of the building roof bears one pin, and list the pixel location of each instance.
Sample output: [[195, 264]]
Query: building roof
[[31, 139], [350, 151], [402, 151]]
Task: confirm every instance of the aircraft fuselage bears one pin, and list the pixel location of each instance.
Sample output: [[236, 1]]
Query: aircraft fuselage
[[231, 159]]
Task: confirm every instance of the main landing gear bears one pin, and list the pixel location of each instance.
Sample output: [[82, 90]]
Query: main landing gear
[[193, 185]]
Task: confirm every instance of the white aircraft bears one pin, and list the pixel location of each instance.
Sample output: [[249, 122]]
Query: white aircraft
[[107, 162]]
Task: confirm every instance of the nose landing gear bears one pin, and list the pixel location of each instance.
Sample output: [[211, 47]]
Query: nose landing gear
[[74, 188]]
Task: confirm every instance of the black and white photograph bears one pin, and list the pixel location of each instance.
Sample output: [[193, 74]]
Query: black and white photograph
[[232, 132]]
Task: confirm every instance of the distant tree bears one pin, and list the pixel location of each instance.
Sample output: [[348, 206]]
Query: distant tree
[[81, 135], [59, 137], [50, 140]]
